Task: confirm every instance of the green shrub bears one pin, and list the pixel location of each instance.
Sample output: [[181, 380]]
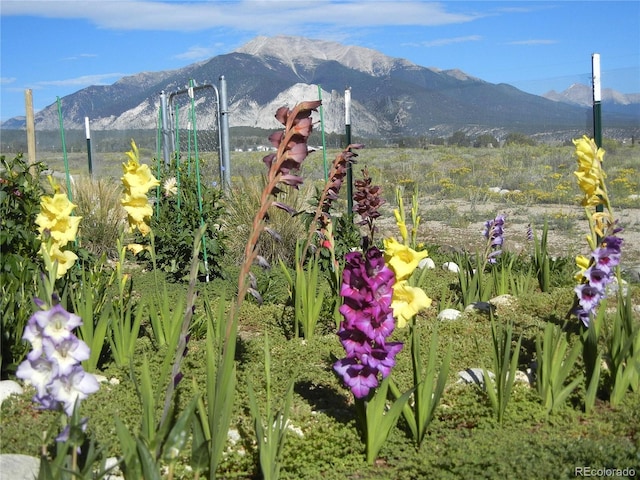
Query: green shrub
[[20, 192], [177, 217]]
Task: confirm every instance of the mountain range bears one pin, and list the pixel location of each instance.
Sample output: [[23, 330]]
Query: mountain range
[[391, 97]]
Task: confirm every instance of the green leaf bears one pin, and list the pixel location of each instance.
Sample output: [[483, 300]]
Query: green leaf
[[132, 466], [150, 470], [199, 444], [379, 423], [221, 383], [179, 433]]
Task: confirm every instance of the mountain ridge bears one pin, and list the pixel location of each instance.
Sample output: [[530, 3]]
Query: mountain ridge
[[391, 96]]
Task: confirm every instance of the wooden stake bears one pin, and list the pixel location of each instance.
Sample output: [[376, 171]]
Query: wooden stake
[[31, 128]]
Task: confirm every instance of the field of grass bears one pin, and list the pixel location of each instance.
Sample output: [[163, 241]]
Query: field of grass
[[465, 439], [459, 188]]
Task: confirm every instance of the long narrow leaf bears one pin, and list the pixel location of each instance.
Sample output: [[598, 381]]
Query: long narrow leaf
[[379, 424], [179, 433], [150, 470]]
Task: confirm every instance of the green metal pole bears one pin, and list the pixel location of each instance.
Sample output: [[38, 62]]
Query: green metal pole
[[597, 100], [158, 147], [195, 147], [177, 159], [64, 150], [347, 127], [88, 135], [597, 108], [597, 111]]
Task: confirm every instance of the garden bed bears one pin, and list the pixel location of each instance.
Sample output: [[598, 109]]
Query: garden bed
[[528, 433]]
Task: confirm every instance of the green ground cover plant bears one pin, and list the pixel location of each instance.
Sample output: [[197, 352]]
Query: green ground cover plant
[[216, 376]]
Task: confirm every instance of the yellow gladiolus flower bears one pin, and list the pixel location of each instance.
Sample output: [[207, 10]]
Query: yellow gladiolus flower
[[55, 218], [136, 248], [138, 210], [137, 181], [582, 263], [65, 258], [137, 178], [587, 151], [407, 301], [401, 259], [601, 222], [402, 226], [590, 174], [56, 206]]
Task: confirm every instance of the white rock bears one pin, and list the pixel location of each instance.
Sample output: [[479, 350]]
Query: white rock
[[18, 467], [114, 381], [427, 263], [482, 307], [8, 388], [100, 378], [234, 436], [451, 267], [504, 191], [502, 300], [522, 377], [115, 473], [473, 375], [449, 314], [297, 430], [611, 290], [495, 189]]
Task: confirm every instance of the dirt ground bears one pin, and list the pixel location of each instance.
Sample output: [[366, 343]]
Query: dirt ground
[[566, 236]]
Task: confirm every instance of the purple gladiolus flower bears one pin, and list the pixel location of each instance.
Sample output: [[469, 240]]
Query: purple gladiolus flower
[[494, 233], [595, 278], [607, 257], [382, 358], [375, 322], [53, 365], [67, 354], [583, 316], [354, 341], [588, 296], [64, 435], [368, 321], [358, 377], [39, 372], [56, 323], [77, 385]]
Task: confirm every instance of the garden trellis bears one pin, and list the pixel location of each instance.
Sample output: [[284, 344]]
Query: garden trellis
[[194, 121], [192, 127]]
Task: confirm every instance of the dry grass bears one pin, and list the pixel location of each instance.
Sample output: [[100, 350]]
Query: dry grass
[[243, 202], [102, 214]]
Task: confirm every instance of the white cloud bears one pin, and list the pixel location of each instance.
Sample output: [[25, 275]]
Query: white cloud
[[533, 42], [254, 15], [196, 53], [441, 42], [84, 80], [81, 55], [7, 80]]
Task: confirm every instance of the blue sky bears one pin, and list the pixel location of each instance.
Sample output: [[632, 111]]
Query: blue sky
[[57, 47]]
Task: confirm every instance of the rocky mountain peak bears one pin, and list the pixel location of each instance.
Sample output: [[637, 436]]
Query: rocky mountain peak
[[304, 51], [581, 94]]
